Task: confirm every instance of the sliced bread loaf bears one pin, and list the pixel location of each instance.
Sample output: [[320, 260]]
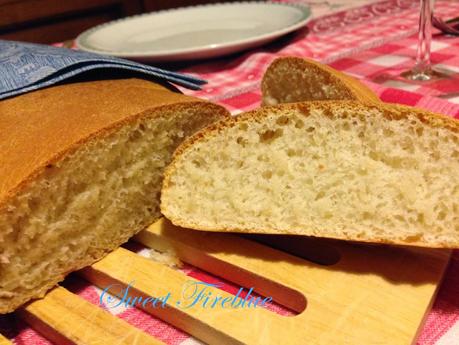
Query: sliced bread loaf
[[294, 79], [80, 172], [336, 169]]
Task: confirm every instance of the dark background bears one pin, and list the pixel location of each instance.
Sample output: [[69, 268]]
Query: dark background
[[48, 21]]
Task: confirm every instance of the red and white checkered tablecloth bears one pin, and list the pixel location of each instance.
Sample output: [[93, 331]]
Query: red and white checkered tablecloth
[[367, 42]]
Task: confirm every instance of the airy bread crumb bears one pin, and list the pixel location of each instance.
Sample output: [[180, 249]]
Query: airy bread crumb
[[330, 169]]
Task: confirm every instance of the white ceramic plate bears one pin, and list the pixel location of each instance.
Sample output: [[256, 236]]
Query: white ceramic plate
[[194, 32]]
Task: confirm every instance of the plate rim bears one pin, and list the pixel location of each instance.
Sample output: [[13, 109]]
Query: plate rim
[[305, 9]]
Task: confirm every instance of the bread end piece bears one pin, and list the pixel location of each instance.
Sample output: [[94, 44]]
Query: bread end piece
[[294, 79]]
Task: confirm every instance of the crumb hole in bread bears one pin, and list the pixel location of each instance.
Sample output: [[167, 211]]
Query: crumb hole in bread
[[435, 155], [269, 136], [407, 145], [242, 141], [291, 152], [267, 174], [282, 120], [441, 215], [299, 124], [243, 127], [362, 171], [328, 113], [388, 132], [366, 215], [320, 195], [446, 139], [197, 163], [399, 218], [135, 135], [373, 155]]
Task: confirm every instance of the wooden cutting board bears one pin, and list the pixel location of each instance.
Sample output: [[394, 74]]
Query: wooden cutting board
[[356, 294]]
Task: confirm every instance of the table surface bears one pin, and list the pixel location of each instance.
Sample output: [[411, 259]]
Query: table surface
[[366, 39]]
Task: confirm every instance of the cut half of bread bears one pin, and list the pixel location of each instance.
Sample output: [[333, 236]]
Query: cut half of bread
[[81, 167], [335, 169], [294, 79]]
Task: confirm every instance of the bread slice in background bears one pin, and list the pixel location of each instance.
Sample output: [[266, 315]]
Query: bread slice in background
[[335, 169], [294, 79], [80, 172]]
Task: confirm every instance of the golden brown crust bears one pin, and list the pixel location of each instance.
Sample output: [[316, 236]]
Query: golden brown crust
[[39, 128], [43, 127], [390, 111], [352, 88]]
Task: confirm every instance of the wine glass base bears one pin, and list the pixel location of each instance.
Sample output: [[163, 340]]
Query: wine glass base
[[415, 77], [423, 76]]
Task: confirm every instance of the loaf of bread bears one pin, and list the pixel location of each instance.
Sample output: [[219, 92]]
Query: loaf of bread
[[81, 168], [294, 79], [336, 169]]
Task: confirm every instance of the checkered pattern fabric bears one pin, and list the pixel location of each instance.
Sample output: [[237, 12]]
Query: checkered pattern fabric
[[369, 43]]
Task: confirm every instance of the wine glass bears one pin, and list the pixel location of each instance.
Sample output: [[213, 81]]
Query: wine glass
[[423, 70]]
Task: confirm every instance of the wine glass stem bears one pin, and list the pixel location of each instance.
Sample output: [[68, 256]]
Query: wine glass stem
[[423, 65]]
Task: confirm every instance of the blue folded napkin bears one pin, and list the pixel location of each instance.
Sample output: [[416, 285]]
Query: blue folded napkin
[[26, 67]]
